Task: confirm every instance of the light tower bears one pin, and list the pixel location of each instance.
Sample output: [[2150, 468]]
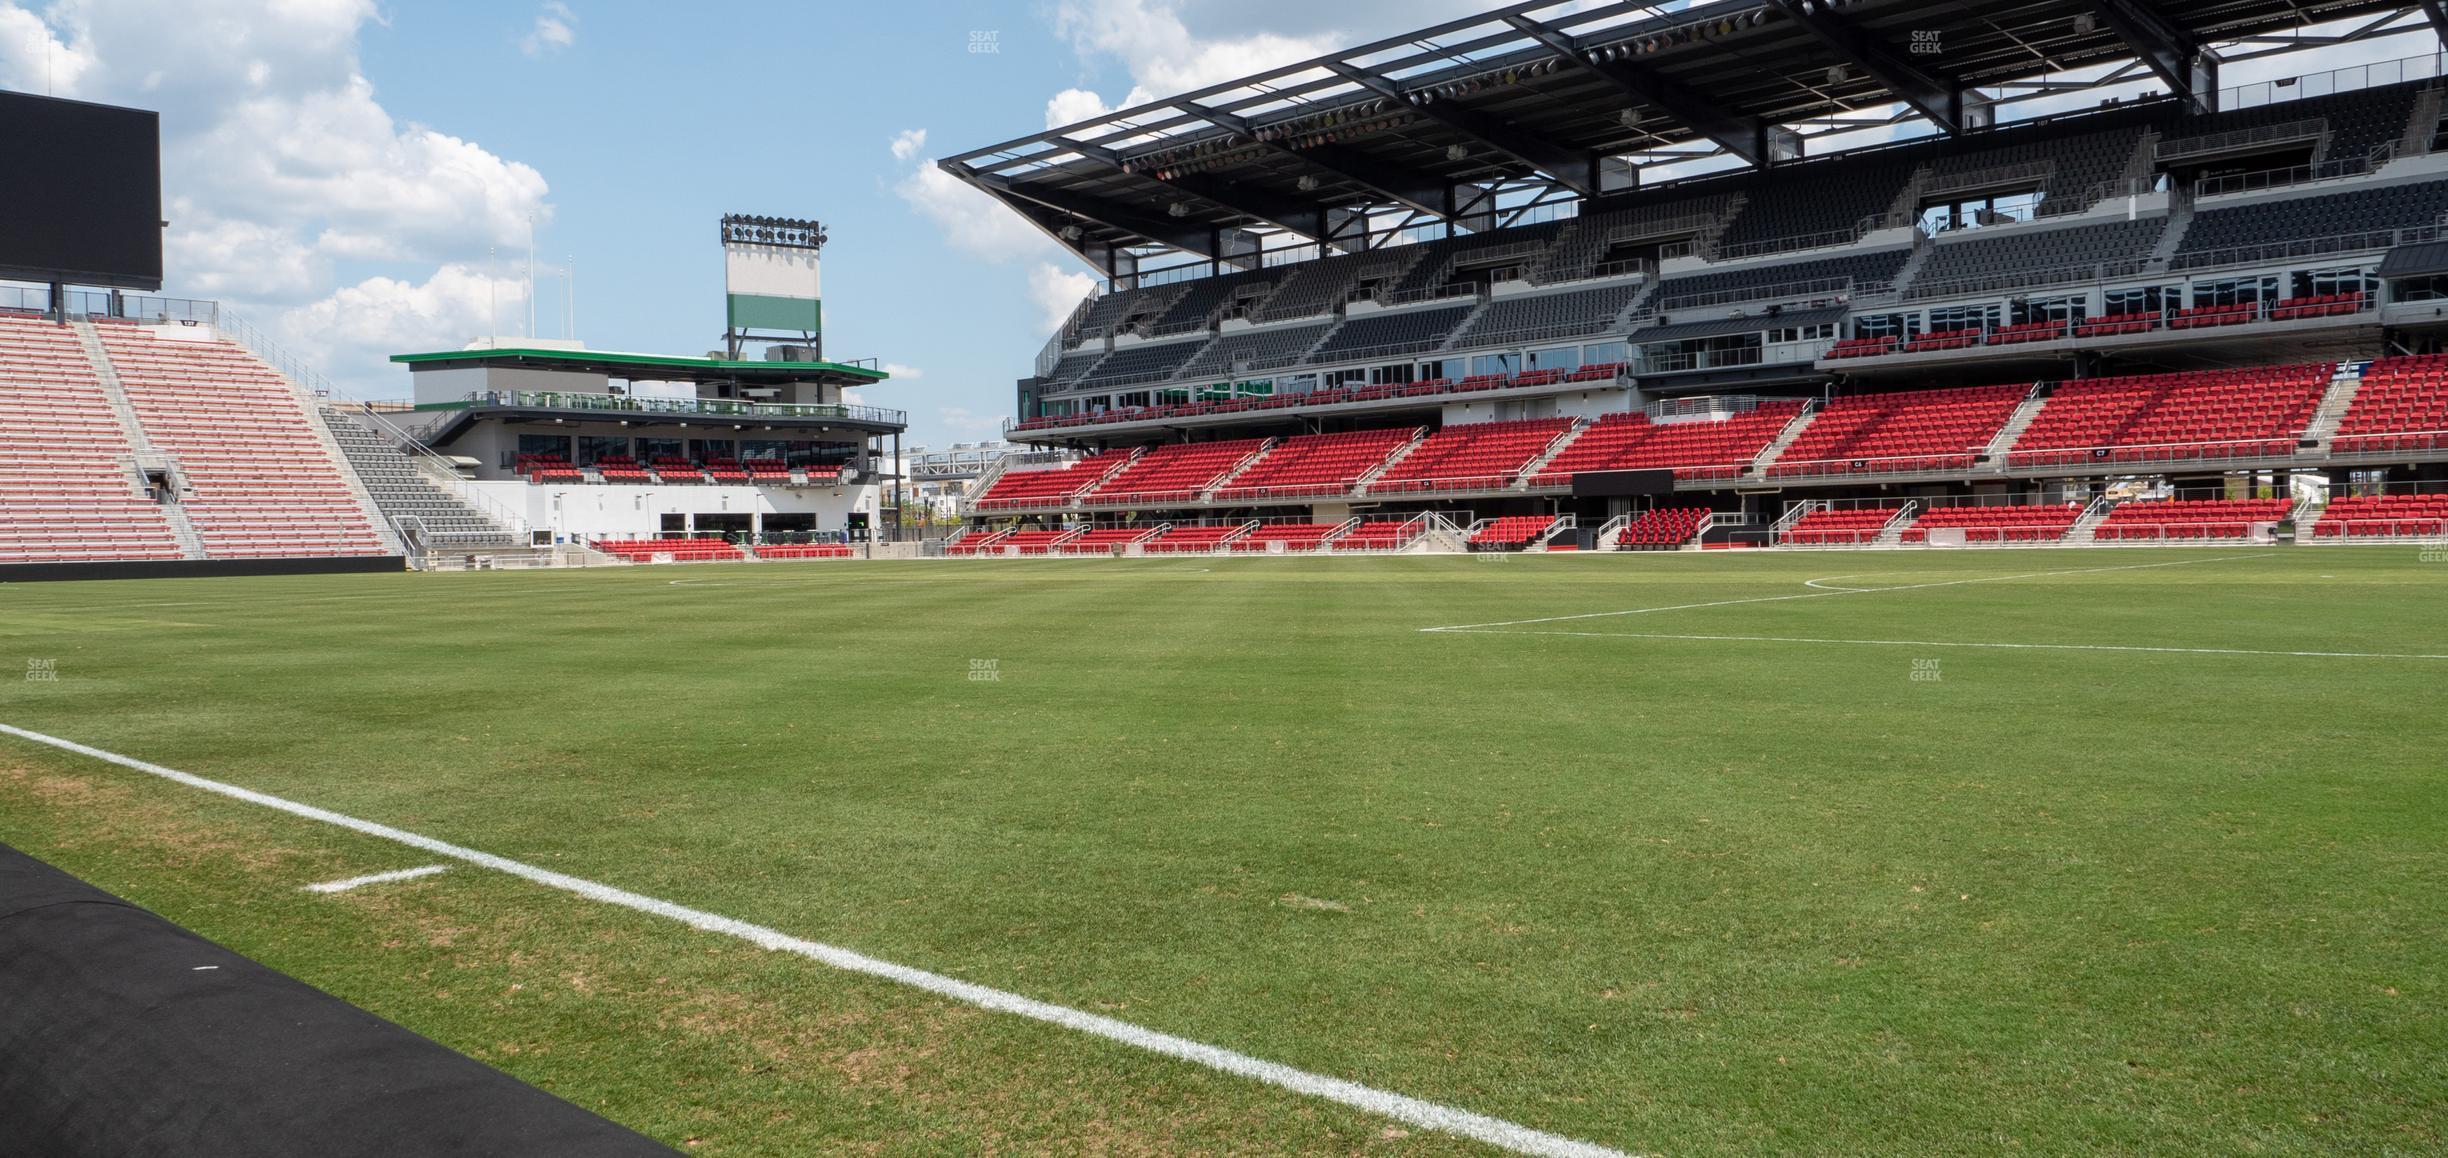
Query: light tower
[[773, 284]]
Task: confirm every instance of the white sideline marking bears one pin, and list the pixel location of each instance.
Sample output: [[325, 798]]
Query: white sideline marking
[[1833, 592], [1414, 1111], [1937, 643], [377, 879]]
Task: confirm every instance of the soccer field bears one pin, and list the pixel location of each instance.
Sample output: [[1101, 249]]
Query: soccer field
[[1690, 853]]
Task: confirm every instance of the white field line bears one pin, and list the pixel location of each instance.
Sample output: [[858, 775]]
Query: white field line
[[1835, 592], [1414, 1111], [377, 879], [1956, 643]]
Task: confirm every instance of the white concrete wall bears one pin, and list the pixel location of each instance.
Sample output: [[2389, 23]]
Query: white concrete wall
[[587, 510]]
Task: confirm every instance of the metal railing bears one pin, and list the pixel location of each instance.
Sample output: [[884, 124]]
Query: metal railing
[[710, 407], [2295, 174], [1812, 287], [443, 473], [1791, 243], [2379, 239], [1428, 294], [2180, 148], [2090, 198], [2336, 80], [2013, 171], [2060, 275]]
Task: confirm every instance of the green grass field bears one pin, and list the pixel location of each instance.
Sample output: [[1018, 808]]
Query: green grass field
[[1666, 895]]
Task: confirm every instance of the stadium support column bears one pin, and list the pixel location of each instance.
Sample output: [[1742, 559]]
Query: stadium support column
[[59, 302], [898, 471]]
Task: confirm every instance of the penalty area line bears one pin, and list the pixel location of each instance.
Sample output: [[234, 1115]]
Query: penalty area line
[[1400, 1107]]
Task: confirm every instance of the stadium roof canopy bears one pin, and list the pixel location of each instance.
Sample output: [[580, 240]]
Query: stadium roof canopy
[[646, 367], [1556, 99]]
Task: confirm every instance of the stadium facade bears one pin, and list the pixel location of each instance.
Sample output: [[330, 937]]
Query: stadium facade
[[1417, 290]]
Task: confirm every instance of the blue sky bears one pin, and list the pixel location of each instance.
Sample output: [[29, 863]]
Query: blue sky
[[338, 171], [355, 177]]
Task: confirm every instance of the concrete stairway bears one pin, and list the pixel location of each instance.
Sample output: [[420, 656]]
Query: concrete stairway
[[1785, 438], [1993, 456], [182, 528], [2333, 406], [407, 498]]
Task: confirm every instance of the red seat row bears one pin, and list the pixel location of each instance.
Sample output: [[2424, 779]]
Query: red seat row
[[2188, 520]]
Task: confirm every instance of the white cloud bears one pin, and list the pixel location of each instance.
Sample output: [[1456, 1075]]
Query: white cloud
[[908, 143], [1073, 105], [556, 28], [351, 332], [1163, 56], [279, 162], [34, 59], [903, 373], [968, 219], [1058, 291]]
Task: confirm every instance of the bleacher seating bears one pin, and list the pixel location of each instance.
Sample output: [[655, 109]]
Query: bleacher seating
[[68, 487], [2318, 306], [2330, 213], [2081, 154], [1375, 535], [973, 543], [1830, 527], [1474, 456], [2400, 405], [1393, 333], [1202, 299], [1102, 540], [2215, 314], [1532, 317], [1821, 198], [1194, 539], [1170, 474], [1253, 350], [682, 550], [1990, 523], [1694, 449], [1910, 431], [621, 468], [262, 481], [2204, 414], [547, 469], [726, 472], [1825, 277], [1582, 245], [1295, 537], [1662, 529], [1049, 487], [1034, 542], [1316, 287], [1870, 347], [2110, 325], [2384, 517], [672, 471], [806, 551], [1124, 309], [2188, 520], [1317, 464], [1511, 531], [2034, 256], [1149, 363]]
